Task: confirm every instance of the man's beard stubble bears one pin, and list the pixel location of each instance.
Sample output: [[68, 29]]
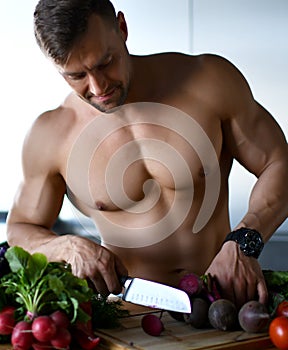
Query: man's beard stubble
[[104, 107]]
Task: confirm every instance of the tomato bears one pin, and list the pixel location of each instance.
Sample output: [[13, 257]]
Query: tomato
[[282, 309], [278, 332]]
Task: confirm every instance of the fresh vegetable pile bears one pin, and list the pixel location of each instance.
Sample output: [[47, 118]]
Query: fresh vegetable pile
[[209, 309], [44, 306], [277, 284]]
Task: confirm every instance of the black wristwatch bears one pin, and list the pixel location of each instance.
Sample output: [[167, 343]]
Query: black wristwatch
[[249, 240]]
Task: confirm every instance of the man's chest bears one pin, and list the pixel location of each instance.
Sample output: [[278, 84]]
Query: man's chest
[[140, 153]]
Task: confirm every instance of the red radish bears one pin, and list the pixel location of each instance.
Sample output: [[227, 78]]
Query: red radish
[[9, 309], [62, 339], [191, 284], [43, 328], [42, 346], [87, 326], [87, 307], [60, 319], [7, 322], [152, 325], [22, 337], [85, 340]]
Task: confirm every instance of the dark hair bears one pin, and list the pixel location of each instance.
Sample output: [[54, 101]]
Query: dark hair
[[59, 23]]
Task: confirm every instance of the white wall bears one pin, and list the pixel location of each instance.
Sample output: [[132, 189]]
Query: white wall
[[156, 25], [29, 85]]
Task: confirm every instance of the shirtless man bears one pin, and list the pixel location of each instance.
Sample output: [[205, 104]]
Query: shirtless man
[[144, 146]]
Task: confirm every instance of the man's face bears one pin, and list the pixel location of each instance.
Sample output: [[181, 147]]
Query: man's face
[[98, 68]]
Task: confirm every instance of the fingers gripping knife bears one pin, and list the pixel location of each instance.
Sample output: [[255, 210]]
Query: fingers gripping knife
[[155, 295]]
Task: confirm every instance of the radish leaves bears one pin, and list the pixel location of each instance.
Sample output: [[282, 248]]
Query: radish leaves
[[41, 286]]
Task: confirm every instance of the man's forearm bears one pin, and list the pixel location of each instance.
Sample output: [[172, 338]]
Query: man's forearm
[[268, 204], [35, 238]]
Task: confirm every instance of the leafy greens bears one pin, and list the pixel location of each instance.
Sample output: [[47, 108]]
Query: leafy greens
[[43, 287]]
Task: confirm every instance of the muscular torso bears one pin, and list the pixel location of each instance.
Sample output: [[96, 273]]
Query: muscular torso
[[153, 174], [149, 176]]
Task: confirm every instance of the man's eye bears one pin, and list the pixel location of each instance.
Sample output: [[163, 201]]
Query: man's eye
[[105, 63], [76, 77]]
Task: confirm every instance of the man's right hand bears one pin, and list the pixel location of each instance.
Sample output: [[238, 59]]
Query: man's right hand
[[99, 265]]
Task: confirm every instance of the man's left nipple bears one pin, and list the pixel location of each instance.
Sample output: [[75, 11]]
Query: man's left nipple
[[100, 206]]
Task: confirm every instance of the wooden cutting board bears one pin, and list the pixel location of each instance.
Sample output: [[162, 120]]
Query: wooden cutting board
[[177, 336]]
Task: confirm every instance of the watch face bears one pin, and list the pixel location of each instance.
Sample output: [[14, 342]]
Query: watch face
[[249, 240], [251, 243]]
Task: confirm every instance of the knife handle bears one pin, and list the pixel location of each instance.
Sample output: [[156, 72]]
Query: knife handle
[[123, 280]]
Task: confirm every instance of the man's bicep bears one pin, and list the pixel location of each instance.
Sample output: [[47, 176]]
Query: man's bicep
[[40, 195], [256, 140], [38, 201]]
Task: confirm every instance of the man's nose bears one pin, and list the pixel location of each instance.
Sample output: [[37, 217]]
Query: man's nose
[[97, 84]]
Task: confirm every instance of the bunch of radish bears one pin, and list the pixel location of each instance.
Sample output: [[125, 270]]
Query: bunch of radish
[[37, 287], [52, 331]]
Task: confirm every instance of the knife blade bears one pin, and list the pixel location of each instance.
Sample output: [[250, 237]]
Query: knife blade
[[155, 295]]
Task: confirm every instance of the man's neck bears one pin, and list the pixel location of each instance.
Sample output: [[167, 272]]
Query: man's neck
[[140, 83]]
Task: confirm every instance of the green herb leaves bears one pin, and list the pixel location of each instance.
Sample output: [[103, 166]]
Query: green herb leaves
[[106, 314]]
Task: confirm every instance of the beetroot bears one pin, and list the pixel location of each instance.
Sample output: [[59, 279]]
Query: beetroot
[[198, 317], [211, 289], [253, 317], [223, 315], [152, 325], [178, 316], [191, 284]]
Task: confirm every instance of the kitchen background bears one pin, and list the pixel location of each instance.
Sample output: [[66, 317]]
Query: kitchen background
[[250, 33]]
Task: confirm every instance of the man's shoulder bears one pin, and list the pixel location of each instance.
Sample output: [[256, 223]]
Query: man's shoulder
[[50, 128], [49, 116], [53, 121], [188, 67], [203, 58]]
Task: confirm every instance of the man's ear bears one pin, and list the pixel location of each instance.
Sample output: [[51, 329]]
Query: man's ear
[[122, 25]]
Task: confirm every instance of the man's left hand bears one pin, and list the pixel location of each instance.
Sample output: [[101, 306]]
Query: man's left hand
[[240, 277]]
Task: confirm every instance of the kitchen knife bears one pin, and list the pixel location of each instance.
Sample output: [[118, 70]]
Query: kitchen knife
[[155, 295]]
